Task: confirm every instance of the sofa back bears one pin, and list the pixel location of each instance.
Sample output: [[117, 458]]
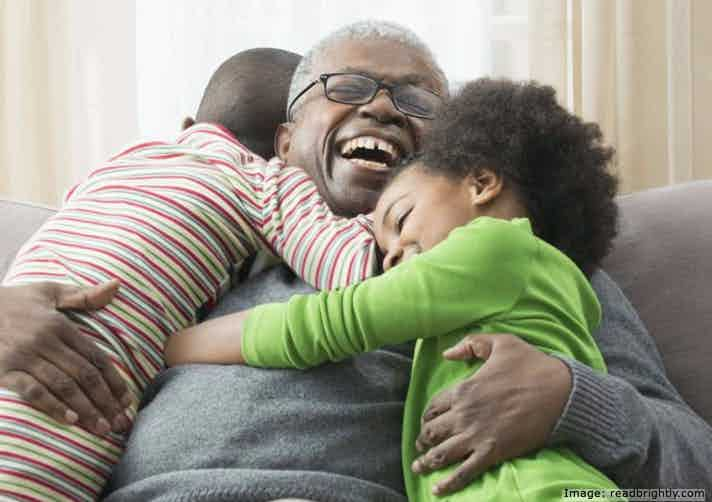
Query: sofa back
[[662, 260]]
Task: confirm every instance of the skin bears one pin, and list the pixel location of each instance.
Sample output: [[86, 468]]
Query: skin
[[321, 126], [494, 416], [418, 210]]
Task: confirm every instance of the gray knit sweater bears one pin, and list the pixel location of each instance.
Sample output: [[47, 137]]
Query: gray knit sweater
[[228, 433]]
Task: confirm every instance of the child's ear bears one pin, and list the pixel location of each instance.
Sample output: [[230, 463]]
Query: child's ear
[[283, 140], [485, 186], [188, 122]]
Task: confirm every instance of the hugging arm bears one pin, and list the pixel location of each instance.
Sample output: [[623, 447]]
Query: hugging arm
[[629, 423], [632, 423], [429, 295], [47, 361]]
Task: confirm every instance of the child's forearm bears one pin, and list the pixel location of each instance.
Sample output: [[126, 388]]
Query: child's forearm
[[217, 341]]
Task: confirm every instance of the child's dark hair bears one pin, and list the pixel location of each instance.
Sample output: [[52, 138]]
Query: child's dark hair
[[556, 163], [247, 95]]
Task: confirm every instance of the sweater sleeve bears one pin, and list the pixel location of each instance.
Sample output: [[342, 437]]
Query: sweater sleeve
[[631, 423], [478, 272]]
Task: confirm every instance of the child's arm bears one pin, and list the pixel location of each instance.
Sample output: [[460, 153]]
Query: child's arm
[[217, 341], [278, 209], [325, 250], [478, 272]]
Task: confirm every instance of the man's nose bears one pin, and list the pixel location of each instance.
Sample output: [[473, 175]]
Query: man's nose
[[383, 109]]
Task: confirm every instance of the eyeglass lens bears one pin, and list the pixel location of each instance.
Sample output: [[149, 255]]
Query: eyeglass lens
[[357, 89]]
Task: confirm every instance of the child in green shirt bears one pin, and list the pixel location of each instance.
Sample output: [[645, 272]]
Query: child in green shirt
[[492, 229]]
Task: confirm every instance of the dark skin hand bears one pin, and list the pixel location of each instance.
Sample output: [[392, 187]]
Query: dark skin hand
[[507, 409], [47, 361]]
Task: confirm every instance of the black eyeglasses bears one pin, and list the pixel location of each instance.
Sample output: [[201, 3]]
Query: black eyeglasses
[[355, 89]]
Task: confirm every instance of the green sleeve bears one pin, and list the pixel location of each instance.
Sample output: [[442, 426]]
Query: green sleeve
[[478, 272]]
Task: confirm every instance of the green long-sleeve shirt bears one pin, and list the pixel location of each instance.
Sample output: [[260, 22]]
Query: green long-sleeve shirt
[[490, 276]]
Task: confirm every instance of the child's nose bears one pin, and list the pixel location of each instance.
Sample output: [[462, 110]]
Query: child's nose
[[392, 259]]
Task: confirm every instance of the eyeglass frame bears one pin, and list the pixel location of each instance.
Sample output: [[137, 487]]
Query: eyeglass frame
[[379, 83]]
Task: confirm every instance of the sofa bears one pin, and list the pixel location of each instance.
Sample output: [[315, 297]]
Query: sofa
[[662, 259]]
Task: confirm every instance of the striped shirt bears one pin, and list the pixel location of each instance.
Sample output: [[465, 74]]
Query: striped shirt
[[175, 222]]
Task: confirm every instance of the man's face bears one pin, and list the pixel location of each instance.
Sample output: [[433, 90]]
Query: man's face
[[324, 134]]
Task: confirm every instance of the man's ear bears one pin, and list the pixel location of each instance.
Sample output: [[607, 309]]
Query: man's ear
[[283, 140], [485, 186], [188, 122]]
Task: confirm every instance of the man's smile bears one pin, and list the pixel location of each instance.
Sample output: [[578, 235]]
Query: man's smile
[[373, 150]]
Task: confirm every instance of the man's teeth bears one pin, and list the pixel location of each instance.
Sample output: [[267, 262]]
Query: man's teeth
[[370, 143]]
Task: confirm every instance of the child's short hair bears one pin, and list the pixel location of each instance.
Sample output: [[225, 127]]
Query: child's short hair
[[247, 95], [556, 163]]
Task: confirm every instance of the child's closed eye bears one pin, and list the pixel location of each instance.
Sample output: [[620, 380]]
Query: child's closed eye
[[400, 221]]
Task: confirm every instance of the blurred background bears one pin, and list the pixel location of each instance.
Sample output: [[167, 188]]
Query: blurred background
[[81, 78]]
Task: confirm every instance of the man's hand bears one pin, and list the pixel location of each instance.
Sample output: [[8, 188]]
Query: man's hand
[[505, 410], [49, 363]]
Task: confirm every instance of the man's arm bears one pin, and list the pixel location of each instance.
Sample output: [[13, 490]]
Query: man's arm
[[47, 361], [630, 423]]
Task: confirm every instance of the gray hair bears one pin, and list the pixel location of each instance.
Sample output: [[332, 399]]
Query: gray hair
[[361, 30]]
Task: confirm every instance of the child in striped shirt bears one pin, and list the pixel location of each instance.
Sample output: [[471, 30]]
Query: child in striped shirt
[[175, 223]]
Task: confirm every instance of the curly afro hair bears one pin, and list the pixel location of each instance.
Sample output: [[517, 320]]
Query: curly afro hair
[[556, 163]]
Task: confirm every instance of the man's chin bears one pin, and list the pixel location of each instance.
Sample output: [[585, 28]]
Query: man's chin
[[350, 201], [354, 187]]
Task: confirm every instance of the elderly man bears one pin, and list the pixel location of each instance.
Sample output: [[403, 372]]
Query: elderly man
[[333, 433]]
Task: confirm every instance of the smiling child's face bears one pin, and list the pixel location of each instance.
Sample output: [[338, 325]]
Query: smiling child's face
[[417, 211]]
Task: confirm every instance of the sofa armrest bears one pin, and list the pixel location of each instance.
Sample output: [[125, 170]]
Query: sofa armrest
[[18, 221]]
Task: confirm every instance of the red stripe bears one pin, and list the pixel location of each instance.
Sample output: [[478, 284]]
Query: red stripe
[[19, 496], [57, 435], [299, 204], [196, 261], [38, 481], [116, 335], [179, 207], [137, 147], [205, 128], [351, 268], [121, 245], [130, 373], [112, 274], [335, 262], [287, 194], [109, 274], [286, 218], [219, 210], [194, 278], [124, 246], [322, 258], [151, 316], [57, 472]]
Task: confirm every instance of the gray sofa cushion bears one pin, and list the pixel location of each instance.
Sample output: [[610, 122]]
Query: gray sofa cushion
[[661, 260], [18, 221]]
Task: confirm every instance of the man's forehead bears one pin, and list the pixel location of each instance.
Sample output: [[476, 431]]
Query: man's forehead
[[391, 75], [386, 60]]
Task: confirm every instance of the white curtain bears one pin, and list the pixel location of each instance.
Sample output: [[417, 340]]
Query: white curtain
[[67, 91], [181, 44], [641, 68], [80, 78]]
